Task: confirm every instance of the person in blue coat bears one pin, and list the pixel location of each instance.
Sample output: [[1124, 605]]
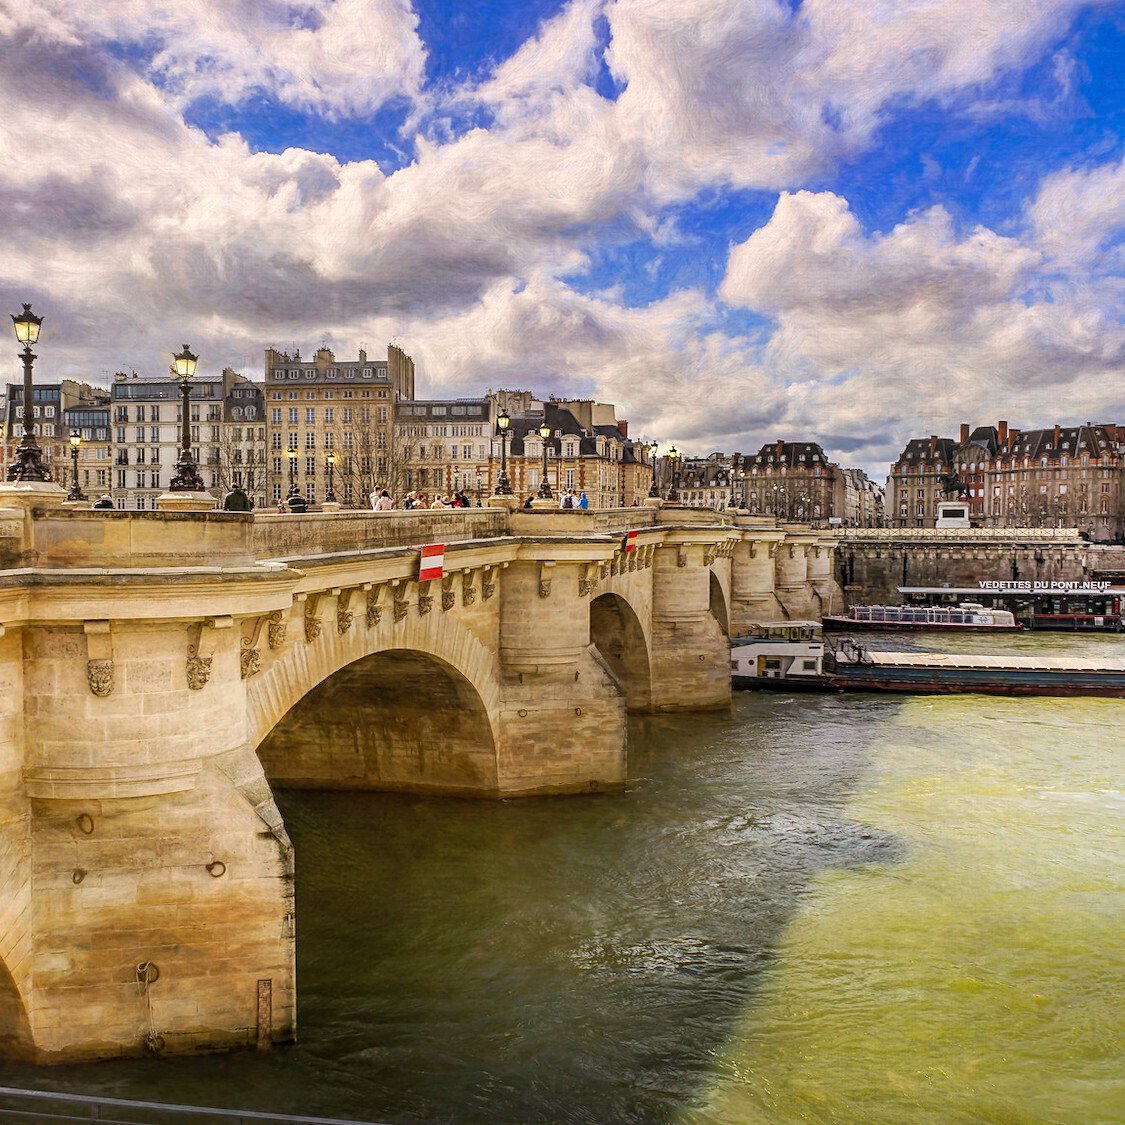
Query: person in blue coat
[[582, 501]]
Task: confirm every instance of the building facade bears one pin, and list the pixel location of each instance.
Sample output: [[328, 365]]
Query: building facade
[[50, 405], [792, 480], [1065, 476], [441, 447], [146, 435], [327, 405]]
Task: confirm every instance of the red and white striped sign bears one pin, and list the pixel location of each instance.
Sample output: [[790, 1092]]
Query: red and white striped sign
[[431, 564], [630, 541]]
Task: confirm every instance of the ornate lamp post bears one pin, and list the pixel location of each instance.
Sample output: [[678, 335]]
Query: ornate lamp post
[[503, 421], [653, 490], [28, 464], [75, 492], [478, 488], [330, 463], [545, 486], [186, 478], [741, 490], [675, 457], [291, 453]]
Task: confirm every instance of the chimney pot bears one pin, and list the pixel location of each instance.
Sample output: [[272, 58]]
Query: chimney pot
[[964, 432]]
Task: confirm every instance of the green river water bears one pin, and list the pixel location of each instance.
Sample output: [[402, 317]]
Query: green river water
[[813, 909]]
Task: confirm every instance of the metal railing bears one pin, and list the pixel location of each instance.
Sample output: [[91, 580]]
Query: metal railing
[[44, 1105]]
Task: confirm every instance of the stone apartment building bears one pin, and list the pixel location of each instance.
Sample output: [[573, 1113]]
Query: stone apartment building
[[95, 451], [446, 445], [1064, 476], [327, 405], [146, 427], [589, 451], [441, 447], [51, 403], [860, 502], [712, 482], [793, 480]]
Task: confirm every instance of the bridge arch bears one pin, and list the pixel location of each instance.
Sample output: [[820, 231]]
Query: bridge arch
[[718, 602], [417, 712], [617, 634], [15, 1032]]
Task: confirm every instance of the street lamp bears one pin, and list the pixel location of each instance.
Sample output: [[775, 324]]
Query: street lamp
[[545, 487], [186, 478], [28, 464], [478, 488], [291, 453], [741, 475], [75, 492], [330, 462], [675, 456], [503, 488], [653, 490]]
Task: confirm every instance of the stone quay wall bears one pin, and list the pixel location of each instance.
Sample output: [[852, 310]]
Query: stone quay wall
[[872, 565]]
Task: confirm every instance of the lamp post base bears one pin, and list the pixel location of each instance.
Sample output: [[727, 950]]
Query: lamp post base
[[185, 501], [499, 500], [31, 494]]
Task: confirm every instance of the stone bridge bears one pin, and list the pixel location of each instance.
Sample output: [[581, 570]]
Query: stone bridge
[[162, 671]]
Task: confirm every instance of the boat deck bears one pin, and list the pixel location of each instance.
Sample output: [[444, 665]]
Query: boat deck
[[997, 663]]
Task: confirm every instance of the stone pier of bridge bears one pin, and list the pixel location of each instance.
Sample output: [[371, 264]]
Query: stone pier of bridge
[[164, 673]]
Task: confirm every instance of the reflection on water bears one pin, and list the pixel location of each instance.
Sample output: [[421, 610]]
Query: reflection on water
[[886, 909]]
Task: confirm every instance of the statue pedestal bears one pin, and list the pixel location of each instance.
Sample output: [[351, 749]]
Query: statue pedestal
[[509, 502], [186, 502], [653, 502], [541, 503], [77, 503], [330, 506]]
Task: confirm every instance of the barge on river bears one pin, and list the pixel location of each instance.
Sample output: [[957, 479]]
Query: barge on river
[[1069, 608], [854, 668]]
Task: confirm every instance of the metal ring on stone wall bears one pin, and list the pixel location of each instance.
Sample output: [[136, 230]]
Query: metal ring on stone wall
[[216, 869], [77, 875], [85, 823]]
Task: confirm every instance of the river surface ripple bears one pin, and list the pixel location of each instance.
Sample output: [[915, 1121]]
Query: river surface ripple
[[813, 909]]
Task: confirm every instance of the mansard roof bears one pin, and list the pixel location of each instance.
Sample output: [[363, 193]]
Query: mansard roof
[[918, 450], [789, 453]]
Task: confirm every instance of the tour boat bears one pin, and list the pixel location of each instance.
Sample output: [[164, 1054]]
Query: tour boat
[[971, 616], [785, 655]]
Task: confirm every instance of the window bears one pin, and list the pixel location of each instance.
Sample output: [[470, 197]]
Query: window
[[382, 413], [310, 467], [154, 479], [329, 415], [310, 415], [154, 433], [347, 415], [275, 415], [275, 441], [292, 415], [140, 413]]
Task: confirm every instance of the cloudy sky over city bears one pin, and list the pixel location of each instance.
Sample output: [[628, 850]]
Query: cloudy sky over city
[[740, 220]]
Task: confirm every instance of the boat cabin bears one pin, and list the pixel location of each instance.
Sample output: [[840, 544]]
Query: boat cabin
[[778, 650]]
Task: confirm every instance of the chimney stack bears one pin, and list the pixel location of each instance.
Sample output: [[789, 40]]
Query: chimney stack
[[780, 448], [1056, 441], [1002, 432], [933, 445], [964, 432]]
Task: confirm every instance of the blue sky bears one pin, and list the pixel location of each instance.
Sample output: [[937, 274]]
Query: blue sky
[[738, 219]]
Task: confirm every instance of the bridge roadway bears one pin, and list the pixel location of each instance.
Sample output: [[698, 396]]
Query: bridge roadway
[[162, 671]]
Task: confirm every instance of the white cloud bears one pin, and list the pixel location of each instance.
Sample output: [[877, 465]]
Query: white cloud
[[335, 57], [134, 231], [921, 324]]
